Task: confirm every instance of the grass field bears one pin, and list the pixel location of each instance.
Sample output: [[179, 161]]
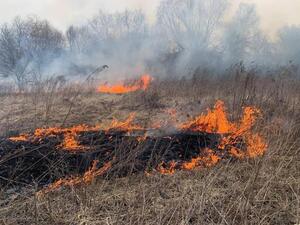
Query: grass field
[[263, 190]]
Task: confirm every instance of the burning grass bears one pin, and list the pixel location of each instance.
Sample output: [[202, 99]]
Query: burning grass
[[141, 84], [230, 179], [199, 143]]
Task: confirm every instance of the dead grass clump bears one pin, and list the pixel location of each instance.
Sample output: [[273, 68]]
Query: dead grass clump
[[148, 100]]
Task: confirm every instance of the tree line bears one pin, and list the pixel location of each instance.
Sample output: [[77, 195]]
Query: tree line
[[187, 35]]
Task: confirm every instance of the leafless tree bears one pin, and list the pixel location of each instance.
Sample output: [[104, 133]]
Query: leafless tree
[[190, 29], [26, 46], [118, 25], [105, 30], [116, 39], [242, 37], [79, 39], [46, 42], [13, 59], [191, 23]]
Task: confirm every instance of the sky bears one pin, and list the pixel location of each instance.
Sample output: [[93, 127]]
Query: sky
[[61, 13]]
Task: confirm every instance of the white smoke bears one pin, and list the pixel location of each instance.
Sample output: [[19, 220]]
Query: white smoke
[[188, 36]]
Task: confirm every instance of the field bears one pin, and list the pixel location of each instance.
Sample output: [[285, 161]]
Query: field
[[260, 190]]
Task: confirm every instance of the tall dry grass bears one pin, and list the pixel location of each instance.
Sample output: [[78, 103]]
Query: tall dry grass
[[264, 190]]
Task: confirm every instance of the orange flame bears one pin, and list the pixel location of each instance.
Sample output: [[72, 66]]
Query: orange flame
[[210, 159], [166, 169], [70, 141], [22, 137], [127, 125], [214, 121], [70, 135], [141, 84], [87, 178]]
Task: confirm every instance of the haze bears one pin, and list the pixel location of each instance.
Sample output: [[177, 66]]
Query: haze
[[62, 13]]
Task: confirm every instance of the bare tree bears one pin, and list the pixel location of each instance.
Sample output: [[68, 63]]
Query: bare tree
[[242, 37], [118, 25], [79, 39], [46, 42], [105, 30], [26, 46], [14, 61], [191, 23], [189, 29], [116, 39]]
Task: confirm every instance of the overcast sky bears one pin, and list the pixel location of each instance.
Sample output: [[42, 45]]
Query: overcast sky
[[61, 13]]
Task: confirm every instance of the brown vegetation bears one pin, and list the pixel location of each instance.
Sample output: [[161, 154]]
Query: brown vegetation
[[265, 190]]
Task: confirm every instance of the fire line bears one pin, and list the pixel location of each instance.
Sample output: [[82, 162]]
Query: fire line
[[198, 143], [141, 84]]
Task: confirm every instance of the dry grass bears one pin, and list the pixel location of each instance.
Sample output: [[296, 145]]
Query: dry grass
[[260, 191]]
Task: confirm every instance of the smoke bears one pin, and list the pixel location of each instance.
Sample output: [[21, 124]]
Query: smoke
[[188, 36], [124, 41], [288, 45]]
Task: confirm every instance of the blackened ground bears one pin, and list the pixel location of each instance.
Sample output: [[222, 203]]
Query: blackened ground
[[40, 162]]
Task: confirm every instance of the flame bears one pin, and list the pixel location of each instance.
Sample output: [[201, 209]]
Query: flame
[[237, 139], [126, 125], [70, 141], [210, 159], [86, 179], [255, 144], [70, 135], [141, 84], [214, 121], [166, 169], [22, 137]]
